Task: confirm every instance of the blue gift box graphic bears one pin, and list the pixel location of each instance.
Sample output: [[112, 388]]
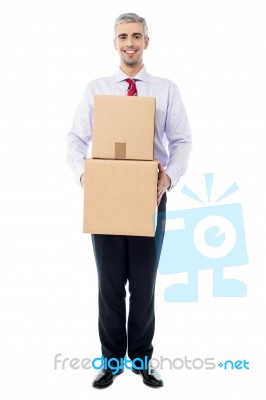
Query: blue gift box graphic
[[208, 237]]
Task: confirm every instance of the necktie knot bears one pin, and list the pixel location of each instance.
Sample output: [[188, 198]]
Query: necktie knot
[[132, 89]]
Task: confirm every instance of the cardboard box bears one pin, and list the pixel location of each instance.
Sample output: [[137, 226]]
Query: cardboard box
[[123, 127], [120, 197]]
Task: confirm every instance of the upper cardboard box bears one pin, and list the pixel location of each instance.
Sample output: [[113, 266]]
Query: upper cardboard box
[[123, 127]]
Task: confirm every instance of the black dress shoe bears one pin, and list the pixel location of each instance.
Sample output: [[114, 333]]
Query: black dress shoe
[[105, 378], [152, 379]]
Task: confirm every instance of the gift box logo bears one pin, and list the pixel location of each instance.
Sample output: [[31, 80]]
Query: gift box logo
[[208, 237]]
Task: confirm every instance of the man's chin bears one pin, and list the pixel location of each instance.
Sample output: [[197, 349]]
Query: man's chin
[[130, 62]]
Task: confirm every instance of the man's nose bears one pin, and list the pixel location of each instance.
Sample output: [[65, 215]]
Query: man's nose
[[130, 42]]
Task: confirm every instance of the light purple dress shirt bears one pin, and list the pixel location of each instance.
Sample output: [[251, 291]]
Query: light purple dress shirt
[[172, 143]]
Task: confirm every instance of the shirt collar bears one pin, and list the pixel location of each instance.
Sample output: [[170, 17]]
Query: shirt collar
[[142, 75]]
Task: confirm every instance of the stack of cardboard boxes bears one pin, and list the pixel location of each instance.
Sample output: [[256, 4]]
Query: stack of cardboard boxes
[[120, 188]]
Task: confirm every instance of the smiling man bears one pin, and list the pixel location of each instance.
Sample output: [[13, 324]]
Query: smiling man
[[132, 259]]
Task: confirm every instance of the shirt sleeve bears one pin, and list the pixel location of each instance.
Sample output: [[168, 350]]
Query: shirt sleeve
[[178, 133], [80, 136]]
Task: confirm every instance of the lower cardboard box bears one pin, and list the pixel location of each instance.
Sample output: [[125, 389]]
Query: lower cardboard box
[[120, 197]]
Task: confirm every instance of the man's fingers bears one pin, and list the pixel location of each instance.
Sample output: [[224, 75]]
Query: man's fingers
[[160, 191]]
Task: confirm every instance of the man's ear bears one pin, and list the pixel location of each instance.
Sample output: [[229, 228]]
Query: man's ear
[[115, 44], [147, 42]]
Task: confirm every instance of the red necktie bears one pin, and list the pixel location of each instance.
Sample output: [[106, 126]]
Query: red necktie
[[132, 89]]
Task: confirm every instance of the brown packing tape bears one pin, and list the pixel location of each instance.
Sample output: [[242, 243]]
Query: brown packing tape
[[120, 151]]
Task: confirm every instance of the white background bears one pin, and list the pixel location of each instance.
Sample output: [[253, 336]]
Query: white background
[[215, 51]]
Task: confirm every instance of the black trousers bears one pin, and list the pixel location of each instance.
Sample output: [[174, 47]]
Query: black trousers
[[134, 259]]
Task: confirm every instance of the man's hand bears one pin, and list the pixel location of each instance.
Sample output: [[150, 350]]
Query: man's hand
[[82, 180], [163, 183]]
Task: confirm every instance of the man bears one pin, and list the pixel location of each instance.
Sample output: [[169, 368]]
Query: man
[[132, 259]]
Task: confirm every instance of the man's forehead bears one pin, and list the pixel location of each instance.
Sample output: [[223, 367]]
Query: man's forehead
[[129, 28]]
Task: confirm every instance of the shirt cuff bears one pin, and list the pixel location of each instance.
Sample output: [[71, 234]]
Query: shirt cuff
[[174, 181], [79, 170]]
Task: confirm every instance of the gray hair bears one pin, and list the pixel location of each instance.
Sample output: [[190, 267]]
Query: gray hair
[[131, 17]]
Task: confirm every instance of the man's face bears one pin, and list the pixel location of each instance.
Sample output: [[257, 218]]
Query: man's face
[[130, 43]]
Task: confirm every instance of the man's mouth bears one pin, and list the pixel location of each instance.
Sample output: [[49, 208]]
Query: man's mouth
[[130, 51]]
